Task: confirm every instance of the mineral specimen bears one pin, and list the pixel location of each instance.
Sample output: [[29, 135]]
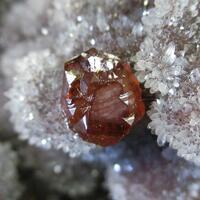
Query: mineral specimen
[[59, 30], [169, 64], [101, 97]]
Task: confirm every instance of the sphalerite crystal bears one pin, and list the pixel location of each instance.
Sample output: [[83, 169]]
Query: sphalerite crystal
[[101, 97]]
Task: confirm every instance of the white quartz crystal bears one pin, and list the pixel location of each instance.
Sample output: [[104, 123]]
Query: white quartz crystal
[[35, 104], [168, 62]]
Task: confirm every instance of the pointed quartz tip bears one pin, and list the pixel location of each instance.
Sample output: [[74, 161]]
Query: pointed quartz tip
[[101, 97]]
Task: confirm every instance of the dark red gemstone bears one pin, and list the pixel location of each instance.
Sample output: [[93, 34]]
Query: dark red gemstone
[[101, 97]]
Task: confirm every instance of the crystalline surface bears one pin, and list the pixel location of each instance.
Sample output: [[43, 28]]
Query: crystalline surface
[[59, 30], [42, 99], [101, 97], [148, 174], [168, 62]]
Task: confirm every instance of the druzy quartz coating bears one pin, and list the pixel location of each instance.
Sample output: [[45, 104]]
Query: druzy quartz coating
[[101, 97]]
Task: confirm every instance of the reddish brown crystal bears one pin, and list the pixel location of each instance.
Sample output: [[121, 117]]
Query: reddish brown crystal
[[101, 97]]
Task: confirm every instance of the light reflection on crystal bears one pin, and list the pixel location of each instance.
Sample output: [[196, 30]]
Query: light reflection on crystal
[[44, 31], [79, 18], [117, 167], [195, 75], [30, 116], [92, 42], [57, 169], [44, 142], [21, 98]]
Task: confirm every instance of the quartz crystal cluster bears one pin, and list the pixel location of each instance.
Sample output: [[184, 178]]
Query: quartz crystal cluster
[[152, 175], [169, 63], [101, 97], [42, 122]]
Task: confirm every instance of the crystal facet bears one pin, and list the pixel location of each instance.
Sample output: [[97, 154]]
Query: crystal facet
[[101, 97]]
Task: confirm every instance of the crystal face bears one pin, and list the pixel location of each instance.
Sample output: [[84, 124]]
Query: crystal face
[[101, 97]]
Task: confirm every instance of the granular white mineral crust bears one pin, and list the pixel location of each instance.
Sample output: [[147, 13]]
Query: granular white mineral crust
[[10, 188], [34, 104], [156, 177], [36, 47], [169, 64]]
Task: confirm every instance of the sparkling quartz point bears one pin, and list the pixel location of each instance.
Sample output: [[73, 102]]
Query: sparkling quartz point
[[101, 97]]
